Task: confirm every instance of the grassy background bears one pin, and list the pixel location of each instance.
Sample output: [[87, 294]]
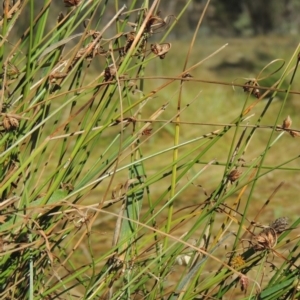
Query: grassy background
[[218, 104]]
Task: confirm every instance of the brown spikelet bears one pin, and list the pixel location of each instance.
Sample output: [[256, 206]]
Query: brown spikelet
[[187, 75], [6, 123], [117, 191], [12, 70], [287, 123], [71, 3], [279, 225], [10, 123], [154, 23], [109, 73], [294, 133], [267, 239], [234, 175], [60, 17], [67, 186], [147, 131], [161, 49], [252, 87], [129, 40]]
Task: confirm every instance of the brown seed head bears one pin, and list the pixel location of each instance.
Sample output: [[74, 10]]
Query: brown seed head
[[234, 175], [267, 239], [14, 122], [70, 3], [6, 123], [10, 123], [294, 133], [279, 225], [187, 75], [154, 23], [12, 70], [253, 90], [287, 122], [109, 73], [256, 93], [161, 49], [147, 131], [130, 38], [67, 186]]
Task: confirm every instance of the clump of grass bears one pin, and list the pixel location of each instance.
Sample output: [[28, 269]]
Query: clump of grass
[[72, 157]]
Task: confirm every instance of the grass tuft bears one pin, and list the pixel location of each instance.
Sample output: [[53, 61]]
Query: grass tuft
[[125, 177]]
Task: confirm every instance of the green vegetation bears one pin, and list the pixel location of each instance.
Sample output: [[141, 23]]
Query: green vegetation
[[136, 167]]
